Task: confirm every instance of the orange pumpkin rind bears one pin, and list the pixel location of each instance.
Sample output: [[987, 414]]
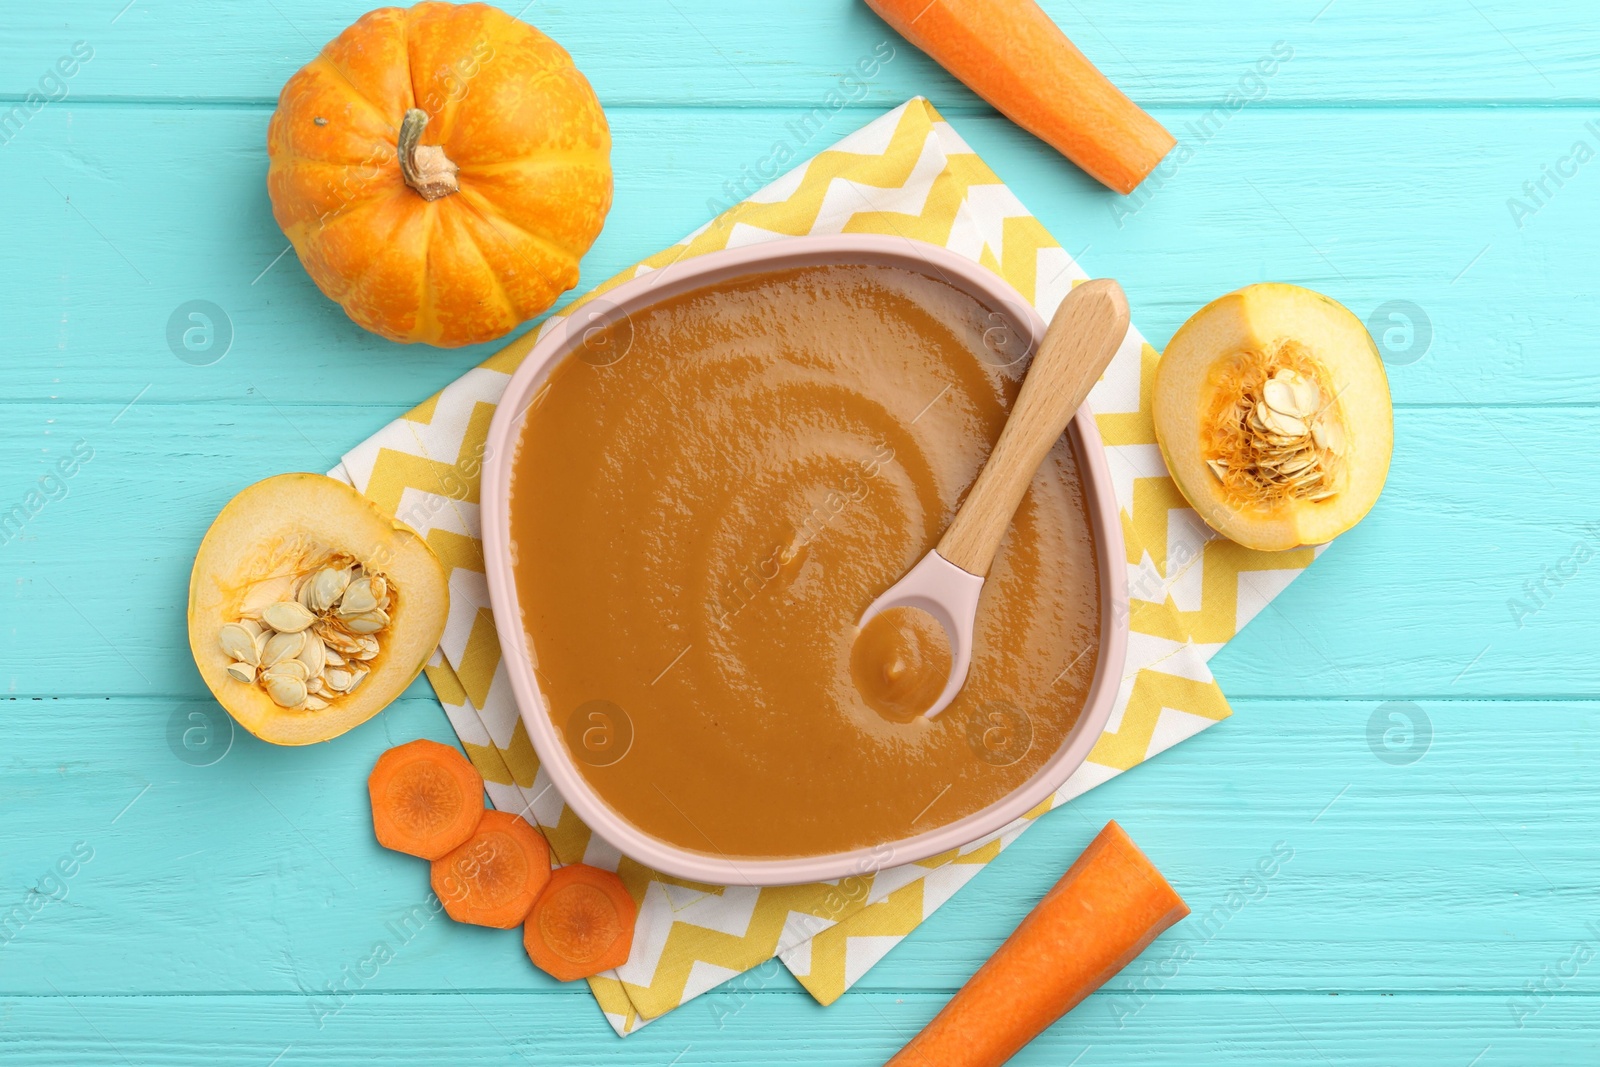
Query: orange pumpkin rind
[[505, 185]]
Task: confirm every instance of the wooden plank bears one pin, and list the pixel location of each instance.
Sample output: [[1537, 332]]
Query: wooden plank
[[1314, 858], [1415, 601], [797, 52], [225, 904], [241, 867], [476, 1029], [1503, 318]]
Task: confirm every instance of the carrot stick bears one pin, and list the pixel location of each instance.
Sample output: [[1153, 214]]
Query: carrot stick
[[426, 799], [493, 878], [1012, 55], [581, 924], [1109, 905]]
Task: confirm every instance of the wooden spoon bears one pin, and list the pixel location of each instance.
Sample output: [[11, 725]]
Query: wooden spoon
[[1086, 332]]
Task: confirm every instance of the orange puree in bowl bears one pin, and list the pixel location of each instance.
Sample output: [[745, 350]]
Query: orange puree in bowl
[[901, 662], [700, 516]]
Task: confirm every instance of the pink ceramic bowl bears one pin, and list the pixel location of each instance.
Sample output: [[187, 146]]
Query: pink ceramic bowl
[[582, 332]]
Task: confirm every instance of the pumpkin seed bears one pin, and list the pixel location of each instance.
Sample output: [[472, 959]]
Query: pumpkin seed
[[314, 655], [1280, 397], [242, 672], [1219, 468], [341, 640], [358, 599], [369, 622], [282, 646], [240, 643], [255, 628], [1305, 480], [1307, 397], [330, 658], [356, 679], [288, 616], [327, 586], [369, 647], [314, 703], [339, 679], [292, 668], [286, 691], [1329, 434], [1296, 464], [1271, 421]]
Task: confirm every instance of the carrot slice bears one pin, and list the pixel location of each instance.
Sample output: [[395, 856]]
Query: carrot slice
[[1109, 905], [1012, 55], [581, 924], [493, 878], [426, 799]]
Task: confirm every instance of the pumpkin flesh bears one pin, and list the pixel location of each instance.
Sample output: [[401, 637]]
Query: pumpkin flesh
[[285, 527], [1312, 472]]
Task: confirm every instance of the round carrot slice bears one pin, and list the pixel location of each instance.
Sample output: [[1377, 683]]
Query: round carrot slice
[[493, 878], [426, 799], [581, 924]]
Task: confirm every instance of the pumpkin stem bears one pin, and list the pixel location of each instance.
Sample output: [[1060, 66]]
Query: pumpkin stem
[[425, 167]]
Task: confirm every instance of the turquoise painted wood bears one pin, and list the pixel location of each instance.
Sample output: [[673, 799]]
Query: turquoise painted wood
[[1439, 870]]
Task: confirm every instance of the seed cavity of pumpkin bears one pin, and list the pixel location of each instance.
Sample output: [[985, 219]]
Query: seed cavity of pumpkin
[[312, 640], [1283, 436]]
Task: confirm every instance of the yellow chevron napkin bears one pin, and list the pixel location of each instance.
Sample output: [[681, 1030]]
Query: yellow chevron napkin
[[906, 173]]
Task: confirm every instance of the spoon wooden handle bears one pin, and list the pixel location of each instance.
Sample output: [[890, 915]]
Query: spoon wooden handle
[[1087, 331]]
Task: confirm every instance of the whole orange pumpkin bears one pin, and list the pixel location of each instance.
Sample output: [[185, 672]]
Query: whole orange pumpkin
[[440, 170]]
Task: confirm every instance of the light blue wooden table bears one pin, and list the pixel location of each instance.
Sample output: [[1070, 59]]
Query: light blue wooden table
[[1415, 718]]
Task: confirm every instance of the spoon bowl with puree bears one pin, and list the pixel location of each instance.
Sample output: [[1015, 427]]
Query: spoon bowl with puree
[[914, 644]]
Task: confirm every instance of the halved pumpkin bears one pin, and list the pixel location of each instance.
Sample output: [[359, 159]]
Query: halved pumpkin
[[1272, 411], [310, 609]]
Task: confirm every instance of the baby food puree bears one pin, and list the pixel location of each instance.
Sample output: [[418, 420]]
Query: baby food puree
[[702, 506]]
